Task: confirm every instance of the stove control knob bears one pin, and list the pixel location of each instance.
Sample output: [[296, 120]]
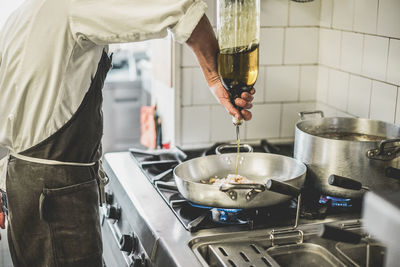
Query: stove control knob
[[113, 212], [109, 197], [128, 243]]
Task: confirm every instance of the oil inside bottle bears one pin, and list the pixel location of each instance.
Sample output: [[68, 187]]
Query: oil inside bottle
[[238, 69]]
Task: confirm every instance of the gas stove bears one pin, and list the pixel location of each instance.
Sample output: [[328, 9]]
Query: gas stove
[[147, 222]]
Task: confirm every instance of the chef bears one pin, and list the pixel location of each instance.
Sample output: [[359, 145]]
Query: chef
[[53, 62]]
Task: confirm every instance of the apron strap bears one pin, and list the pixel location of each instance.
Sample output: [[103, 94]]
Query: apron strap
[[50, 162]]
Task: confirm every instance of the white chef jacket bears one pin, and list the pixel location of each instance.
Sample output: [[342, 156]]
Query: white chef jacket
[[50, 49]]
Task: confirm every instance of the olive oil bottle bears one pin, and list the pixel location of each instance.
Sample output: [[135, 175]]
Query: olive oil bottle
[[238, 69]]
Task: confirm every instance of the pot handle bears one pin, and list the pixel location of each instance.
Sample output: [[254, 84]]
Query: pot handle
[[303, 114], [221, 147], [346, 183], [387, 150]]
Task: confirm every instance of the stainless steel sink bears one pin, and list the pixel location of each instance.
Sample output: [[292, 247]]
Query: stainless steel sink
[[254, 248], [305, 254], [370, 255]]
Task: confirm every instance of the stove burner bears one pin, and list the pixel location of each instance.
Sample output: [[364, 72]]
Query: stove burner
[[335, 201], [222, 215]]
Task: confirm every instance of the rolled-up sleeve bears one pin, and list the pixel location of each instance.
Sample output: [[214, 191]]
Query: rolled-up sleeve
[[118, 21]]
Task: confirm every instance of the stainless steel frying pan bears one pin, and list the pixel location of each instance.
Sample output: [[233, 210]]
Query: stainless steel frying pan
[[271, 174]]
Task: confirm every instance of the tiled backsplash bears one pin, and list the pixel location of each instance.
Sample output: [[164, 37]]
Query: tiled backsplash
[[286, 84], [341, 56], [359, 59]]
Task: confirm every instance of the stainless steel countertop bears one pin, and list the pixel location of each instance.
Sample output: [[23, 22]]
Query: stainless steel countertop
[[162, 235]]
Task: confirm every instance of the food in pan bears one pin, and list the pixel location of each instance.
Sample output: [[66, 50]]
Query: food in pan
[[229, 179]]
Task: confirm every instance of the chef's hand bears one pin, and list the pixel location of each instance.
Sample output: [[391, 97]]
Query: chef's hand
[[205, 46], [243, 102]]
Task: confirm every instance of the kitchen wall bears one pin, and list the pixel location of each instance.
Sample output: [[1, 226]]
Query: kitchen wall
[[341, 56], [286, 84], [359, 59]]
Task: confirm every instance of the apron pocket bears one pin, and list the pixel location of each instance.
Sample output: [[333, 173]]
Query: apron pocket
[[72, 213]]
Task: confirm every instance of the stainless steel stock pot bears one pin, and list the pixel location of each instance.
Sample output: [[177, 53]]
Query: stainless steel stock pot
[[361, 149]]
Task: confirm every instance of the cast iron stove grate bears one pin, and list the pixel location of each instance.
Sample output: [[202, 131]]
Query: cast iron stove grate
[[158, 167]]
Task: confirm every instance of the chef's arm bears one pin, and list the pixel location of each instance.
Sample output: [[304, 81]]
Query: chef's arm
[[205, 46]]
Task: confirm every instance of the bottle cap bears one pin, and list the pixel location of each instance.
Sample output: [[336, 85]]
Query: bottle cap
[[236, 121]]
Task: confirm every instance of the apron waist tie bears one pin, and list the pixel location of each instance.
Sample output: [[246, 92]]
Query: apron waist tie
[[48, 161], [102, 179]]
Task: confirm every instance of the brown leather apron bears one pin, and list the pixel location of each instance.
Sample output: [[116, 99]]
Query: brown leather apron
[[54, 208]]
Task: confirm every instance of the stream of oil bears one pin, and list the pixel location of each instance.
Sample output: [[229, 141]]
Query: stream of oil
[[238, 149]]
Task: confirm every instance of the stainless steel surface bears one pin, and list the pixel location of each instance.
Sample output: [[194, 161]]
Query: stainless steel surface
[[324, 156], [258, 167], [252, 248], [164, 239], [381, 217], [219, 149]]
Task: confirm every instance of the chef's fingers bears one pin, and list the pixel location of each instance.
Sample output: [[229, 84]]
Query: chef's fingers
[[246, 115], [226, 103], [247, 96], [252, 91], [243, 104]]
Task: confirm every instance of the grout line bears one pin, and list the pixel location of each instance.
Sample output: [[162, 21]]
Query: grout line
[[370, 100], [360, 75], [280, 121], [387, 60], [395, 107], [365, 33], [284, 46], [377, 17], [299, 83]]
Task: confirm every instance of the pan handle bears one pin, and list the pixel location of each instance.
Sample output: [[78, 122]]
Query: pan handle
[[256, 187], [218, 149], [303, 114], [282, 188]]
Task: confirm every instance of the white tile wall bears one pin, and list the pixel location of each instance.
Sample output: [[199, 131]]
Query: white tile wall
[[338, 89], [359, 96], [326, 13], [282, 84], [343, 11], [271, 46], [308, 83], [301, 45], [397, 121], [274, 12], [265, 122], [393, 71], [352, 52], [329, 47], [322, 84], [341, 56], [196, 124], [290, 116], [388, 18], [304, 14], [375, 56], [259, 86], [201, 95], [222, 121], [365, 16], [186, 90], [383, 101]]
